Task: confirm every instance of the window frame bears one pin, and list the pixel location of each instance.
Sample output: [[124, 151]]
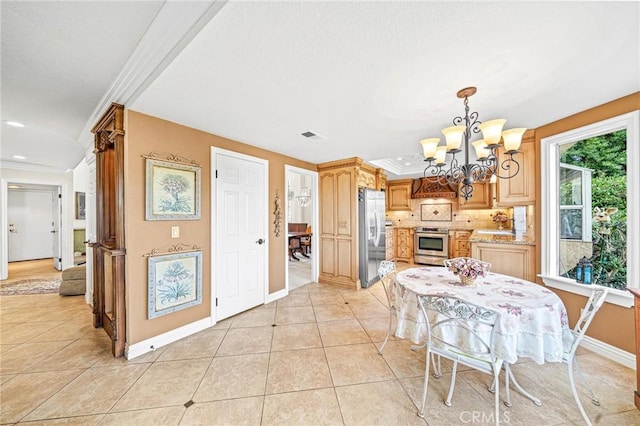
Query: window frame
[[550, 203], [585, 189]]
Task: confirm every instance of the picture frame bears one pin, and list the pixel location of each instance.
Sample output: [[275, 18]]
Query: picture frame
[[436, 212], [175, 282], [172, 191], [81, 212]]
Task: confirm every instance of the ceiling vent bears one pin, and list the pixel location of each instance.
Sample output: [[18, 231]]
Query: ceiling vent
[[311, 135]]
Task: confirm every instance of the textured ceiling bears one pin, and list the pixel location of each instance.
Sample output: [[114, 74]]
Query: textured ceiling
[[371, 78]]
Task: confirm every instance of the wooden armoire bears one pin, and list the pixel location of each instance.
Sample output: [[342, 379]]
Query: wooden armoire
[[109, 247]]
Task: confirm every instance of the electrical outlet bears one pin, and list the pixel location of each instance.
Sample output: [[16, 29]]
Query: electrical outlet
[[175, 232]]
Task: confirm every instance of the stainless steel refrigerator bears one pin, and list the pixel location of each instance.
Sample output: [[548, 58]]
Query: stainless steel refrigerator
[[371, 226]]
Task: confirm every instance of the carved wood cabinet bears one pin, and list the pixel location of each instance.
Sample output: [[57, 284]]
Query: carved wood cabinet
[[520, 190], [109, 248], [404, 245], [338, 234], [399, 195]]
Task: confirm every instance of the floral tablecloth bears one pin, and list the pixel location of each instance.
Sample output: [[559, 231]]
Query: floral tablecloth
[[533, 321]]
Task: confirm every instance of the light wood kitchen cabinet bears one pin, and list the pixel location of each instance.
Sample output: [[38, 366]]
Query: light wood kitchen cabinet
[[404, 245], [338, 233], [389, 243], [459, 245], [481, 197], [520, 190], [516, 260], [399, 195]]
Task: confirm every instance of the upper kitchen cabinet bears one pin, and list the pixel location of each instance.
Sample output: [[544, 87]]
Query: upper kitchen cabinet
[[480, 197], [338, 233], [399, 195], [521, 189]]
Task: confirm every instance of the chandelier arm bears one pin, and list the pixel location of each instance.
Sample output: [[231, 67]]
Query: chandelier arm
[[508, 165]]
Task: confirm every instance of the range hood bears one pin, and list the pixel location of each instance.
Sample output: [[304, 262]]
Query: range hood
[[422, 188]]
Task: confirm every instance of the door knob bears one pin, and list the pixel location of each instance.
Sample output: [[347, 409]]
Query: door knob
[[260, 241]]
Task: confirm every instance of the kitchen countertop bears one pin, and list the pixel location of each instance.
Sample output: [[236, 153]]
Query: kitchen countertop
[[501, 239]]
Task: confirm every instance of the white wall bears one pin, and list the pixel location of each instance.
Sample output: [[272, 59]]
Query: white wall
[[65, 181]]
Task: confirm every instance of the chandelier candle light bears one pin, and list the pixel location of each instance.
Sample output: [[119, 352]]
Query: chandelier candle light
[[486, 149]]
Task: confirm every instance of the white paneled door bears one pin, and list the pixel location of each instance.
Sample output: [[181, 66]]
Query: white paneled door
[[31, 224], [240, 232]]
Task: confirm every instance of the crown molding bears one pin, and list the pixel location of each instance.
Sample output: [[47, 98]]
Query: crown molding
[[38, 168], [173, 28]]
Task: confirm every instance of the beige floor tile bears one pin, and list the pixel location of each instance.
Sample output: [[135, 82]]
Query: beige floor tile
[[224, 324], [235, 376], [298, 370], [364, 310], [200, 345], [255, 318], [27, 391], [20, 333], [380, 403], [358, 296], [295, 315], [344, 332], [164, 383], [70, 330], [235, 412], [377, 328], [295, 336], [300, 290], [403, 361], [353, 364], [27, 355], [292, 300], [93, 392], [627, 418], [327, 298], [240, 341], [313, 407], [74, 421], [82, 353], [332, 312], [164, 416]]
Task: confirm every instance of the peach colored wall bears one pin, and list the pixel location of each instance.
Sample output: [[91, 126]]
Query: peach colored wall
[[145, 134], [613, 324]]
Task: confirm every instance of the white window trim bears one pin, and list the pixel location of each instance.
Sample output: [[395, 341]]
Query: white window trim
[[550, 228], [585, 186]]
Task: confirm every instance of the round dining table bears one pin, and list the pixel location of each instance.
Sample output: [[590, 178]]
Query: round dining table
[[533, 321]]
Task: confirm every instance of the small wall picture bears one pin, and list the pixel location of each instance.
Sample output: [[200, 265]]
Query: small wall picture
[[175, 282], [80, 206], [172, 191]]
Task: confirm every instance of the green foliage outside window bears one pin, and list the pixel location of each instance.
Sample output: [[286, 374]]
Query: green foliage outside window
[[606, 155]]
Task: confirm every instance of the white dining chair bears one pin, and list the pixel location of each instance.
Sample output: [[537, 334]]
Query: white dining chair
[[594, 303], [387, 274], [463, 333]]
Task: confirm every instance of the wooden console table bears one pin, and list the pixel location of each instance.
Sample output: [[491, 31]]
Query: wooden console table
[[636, 298]]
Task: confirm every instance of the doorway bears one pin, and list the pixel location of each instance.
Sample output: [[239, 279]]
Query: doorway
[[301, 212]]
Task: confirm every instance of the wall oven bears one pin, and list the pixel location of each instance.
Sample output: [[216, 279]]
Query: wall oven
[[430, 246]]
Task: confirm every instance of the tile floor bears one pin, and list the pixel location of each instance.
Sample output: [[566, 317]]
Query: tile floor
[[299, 272], [308, 359]]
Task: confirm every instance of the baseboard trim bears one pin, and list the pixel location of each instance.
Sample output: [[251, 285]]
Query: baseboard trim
[[272, 297], [164, 339], [610, 352]]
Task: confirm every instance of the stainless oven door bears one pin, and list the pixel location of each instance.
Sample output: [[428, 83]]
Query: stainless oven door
[[430, 244]]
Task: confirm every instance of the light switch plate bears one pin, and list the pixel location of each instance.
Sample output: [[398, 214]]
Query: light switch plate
[[175, 232]]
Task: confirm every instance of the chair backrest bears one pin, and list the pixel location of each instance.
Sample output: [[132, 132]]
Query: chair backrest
[[598, 295], [387, 274], [460, 327], [297, 227]]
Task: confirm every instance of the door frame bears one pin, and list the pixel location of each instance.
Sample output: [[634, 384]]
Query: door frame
[[315, 258], [66, 240], [215, 151]]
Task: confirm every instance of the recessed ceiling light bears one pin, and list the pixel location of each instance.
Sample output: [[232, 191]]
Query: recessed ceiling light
[[399, 158], [14, 124], [13, 186], [407, 164], [19, 157]]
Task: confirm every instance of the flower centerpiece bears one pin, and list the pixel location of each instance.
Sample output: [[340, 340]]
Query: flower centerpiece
[[500, 218], [467, 268]]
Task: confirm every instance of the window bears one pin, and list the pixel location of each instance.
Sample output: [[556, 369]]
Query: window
[[584, 181]]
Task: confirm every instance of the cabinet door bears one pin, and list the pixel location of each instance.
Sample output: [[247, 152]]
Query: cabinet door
[[509, 259], [480, 199], [520, 189], [399, 195]]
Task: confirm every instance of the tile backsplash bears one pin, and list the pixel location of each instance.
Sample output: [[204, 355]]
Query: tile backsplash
[[460, 219]]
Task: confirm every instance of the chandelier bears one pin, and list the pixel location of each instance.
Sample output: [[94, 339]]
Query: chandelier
[[488, 165], [304, 197]]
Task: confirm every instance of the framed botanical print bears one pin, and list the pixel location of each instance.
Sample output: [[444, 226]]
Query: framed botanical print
[[172, 191], [175, 282], [80, 206]]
